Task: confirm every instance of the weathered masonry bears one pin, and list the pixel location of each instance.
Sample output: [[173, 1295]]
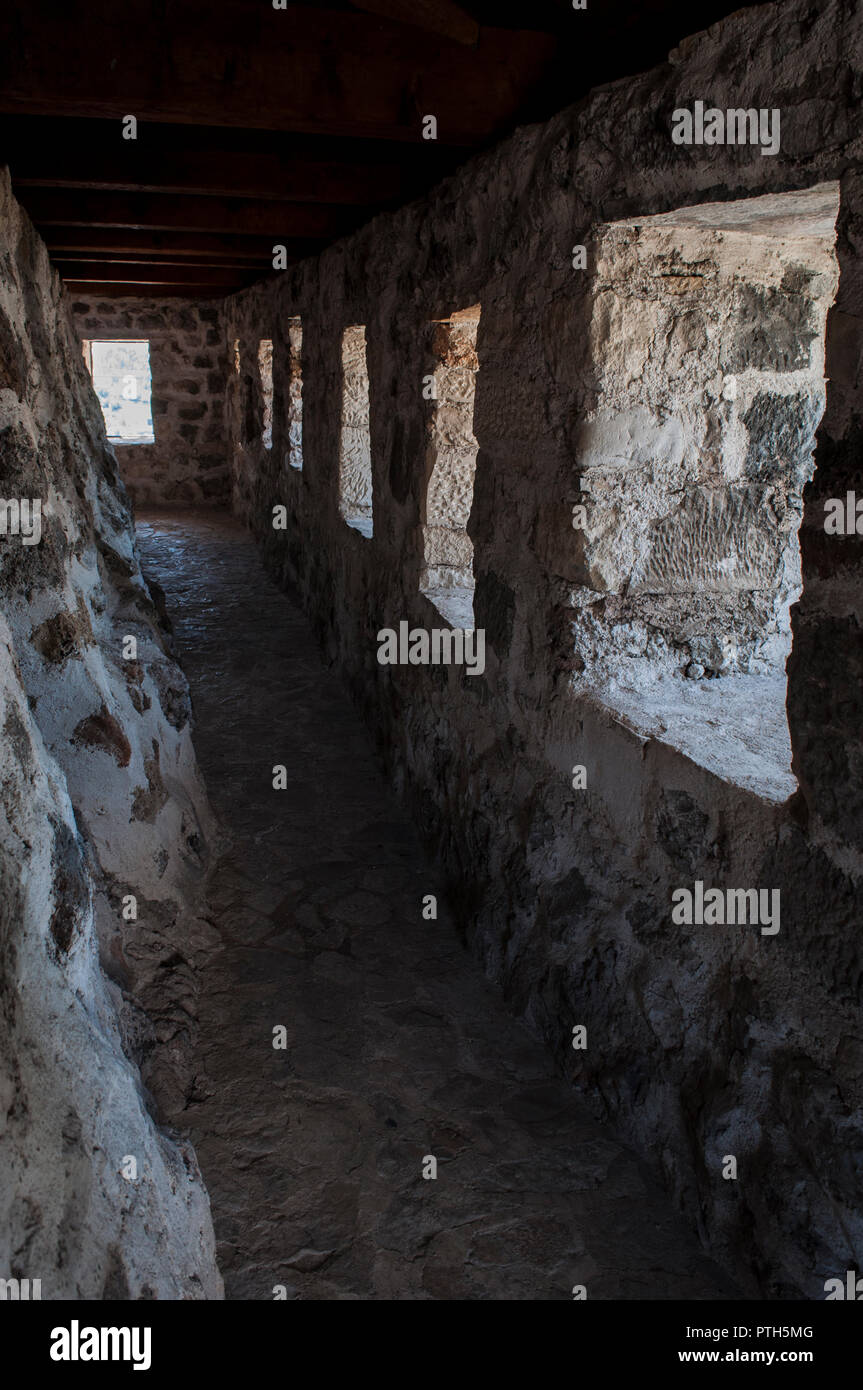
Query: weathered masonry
[[106, 837], [674, 388], [187, 463], [615, 465]]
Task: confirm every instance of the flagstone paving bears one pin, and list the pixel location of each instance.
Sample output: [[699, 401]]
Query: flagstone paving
[[397, 1048]]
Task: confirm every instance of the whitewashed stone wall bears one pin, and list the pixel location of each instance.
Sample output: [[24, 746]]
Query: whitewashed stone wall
[[105, 841]]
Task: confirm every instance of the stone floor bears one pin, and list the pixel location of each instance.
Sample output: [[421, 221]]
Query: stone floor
[[397, 1047]]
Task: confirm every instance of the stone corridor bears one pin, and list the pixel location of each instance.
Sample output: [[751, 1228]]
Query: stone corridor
[[396, 1046]]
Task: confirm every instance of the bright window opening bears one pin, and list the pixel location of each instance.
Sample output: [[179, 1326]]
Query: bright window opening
[[265, 370], [707, 334], [294, 457], [355, 452], [122, 381], [447, 577]]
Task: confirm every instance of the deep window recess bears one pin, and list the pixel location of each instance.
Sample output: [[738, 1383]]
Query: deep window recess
[[447, 577], [265, 371], [294, 457], [355, 454], [707, 334]]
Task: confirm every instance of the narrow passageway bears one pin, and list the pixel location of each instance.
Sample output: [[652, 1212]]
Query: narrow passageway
[[397, 1047]]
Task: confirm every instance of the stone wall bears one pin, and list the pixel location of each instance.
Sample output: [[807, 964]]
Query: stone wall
[[704, 1041], [105, 841], [188, 461]]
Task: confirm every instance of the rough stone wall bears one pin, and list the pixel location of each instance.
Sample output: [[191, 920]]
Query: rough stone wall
[[100, 804], [703, 1041], [188, 461]]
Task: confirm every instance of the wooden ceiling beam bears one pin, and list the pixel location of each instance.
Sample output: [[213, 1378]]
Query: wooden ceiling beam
[[95, 289], [46, 135], [166, 212], [187, 177], [149, 258], [214, 277], [300, 69], [552, 16], [441, 17], [209, 249], [116, 165]]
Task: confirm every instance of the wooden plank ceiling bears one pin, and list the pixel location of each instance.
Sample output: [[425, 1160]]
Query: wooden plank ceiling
[[259, 125]]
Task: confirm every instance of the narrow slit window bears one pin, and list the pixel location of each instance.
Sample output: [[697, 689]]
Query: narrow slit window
[[294, 457], [122, 381], [355, 450], [447, 578], [265, 370]]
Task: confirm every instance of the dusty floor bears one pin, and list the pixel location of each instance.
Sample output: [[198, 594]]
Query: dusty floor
[[397, 1046]]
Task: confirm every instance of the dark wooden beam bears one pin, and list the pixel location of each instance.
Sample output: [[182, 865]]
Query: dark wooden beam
[[214, 277], [100, 290], [250, 65], [126, 166], [435, 16], [552, 16], [165, 212], [208, 249], [151, 258], [46, 135]]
